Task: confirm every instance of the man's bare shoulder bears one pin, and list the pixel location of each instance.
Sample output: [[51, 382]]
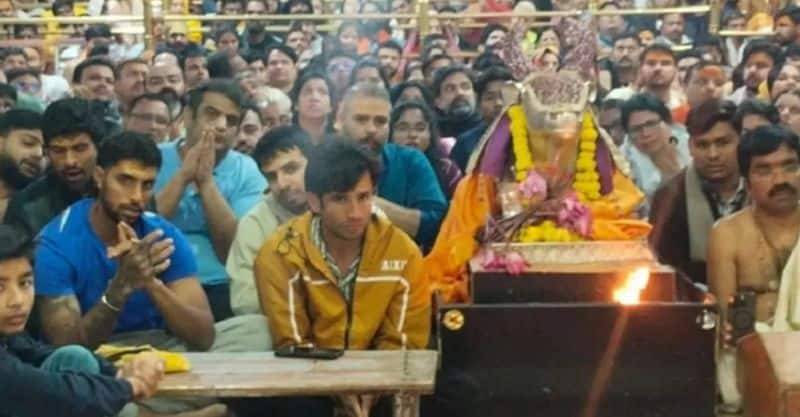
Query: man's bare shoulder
[[735, 222]]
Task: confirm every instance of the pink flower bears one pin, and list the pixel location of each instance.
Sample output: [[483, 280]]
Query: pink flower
[[575, 216], [512, 262], [534, 187], [515, 263]]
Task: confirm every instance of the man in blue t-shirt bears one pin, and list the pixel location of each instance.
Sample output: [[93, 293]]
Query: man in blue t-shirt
[[204, 186], [408, 190], [106, 266]]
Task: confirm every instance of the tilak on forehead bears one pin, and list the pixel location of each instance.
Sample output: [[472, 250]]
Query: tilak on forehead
[[659, 56]]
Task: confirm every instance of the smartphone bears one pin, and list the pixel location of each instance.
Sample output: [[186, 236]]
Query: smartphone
[[308, 352], [742, 314]]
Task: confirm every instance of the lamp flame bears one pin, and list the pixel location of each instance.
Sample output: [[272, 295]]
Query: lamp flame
[[630, 292]]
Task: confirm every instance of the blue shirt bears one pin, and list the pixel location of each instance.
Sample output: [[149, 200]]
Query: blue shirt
[[241, 184], [409, 180], [71, 260]]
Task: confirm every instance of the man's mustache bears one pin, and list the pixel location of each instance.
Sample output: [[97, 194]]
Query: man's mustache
[[781, 188]]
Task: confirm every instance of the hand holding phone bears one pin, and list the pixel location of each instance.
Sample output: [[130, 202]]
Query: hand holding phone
[[742, 315]]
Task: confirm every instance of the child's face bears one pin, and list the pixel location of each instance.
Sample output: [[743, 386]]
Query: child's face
[[16, 295]]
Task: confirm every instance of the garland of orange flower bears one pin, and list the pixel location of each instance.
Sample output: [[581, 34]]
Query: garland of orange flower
[[523, 159], [587, 180]]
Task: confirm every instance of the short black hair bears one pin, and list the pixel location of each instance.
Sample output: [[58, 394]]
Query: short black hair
[[626, 35], [690, 53], [791, 11], [755, 107], [224, 28], [228, 88], [19, 119], [73, 115], [14, 243], [657, 47], [304, 78], [336, 165], [151, 97], [19, 72], [283, 48], [9, 91], [90, 62], [426, 64], [764, 140], [488, 29], [762, 46], [702, 118], [390, 44], [397, 91], [57, 4], [99, 51], [492, 74], [486, 60], [219, 66], [254, 56], [100, 30], [129, 146], [444, 73], [13, 50], [282, 139], [192, 50], [368, 62], [644, 102]]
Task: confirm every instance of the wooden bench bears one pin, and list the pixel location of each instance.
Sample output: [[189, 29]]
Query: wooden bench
[[404, 375]]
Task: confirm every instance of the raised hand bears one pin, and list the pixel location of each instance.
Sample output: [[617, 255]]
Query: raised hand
[[126, 238], [207, 160], [137, 267]]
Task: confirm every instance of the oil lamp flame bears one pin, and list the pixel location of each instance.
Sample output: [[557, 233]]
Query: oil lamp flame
[[636, 281]]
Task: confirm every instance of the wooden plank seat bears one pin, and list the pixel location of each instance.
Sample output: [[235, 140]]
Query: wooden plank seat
[[406, 375]]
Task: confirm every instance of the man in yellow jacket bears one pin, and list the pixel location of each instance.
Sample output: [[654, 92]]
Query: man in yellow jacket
[[341, 276]]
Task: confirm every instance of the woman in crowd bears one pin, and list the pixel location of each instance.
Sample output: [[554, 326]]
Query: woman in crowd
[[413, 124], [782, 78], [313, 104], [412, 90]]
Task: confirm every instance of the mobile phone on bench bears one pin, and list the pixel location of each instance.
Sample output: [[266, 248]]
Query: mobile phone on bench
[[308, 351]]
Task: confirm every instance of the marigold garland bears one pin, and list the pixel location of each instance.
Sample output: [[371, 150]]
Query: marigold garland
[[587, 180], [523, 160], [547, 231]]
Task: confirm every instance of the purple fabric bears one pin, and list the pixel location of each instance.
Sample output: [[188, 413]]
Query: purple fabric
[[451, 175], [495, 155], [446, 146], [605, 167]]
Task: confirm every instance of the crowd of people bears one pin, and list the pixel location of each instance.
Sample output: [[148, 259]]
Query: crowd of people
[[244, 189]]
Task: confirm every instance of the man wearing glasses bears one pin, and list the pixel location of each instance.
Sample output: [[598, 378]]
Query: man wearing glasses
[[150, 113]]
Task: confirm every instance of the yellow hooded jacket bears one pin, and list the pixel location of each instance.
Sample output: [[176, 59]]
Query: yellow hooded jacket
[[391, 305]]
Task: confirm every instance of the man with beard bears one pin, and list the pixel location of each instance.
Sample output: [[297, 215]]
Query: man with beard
[[786, 21], [673, 26], [455, 101], [340, 276], [256, 40], [205, 186], [130, 78], [490, 102], [282, 155], [20, 152], [657, 72], [758, 59], [620, 68], [108, 271], [408, 190], [389, 54], [165, 76], [609, 26], [747, 251], [709, 188], [71, 129]]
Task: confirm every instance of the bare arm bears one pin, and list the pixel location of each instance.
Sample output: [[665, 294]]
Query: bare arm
[[221, 220], [62, 323], [405, 218], [185, 309]]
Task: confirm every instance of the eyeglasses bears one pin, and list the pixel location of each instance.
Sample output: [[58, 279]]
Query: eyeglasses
[[344, 67], [638, 129]]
